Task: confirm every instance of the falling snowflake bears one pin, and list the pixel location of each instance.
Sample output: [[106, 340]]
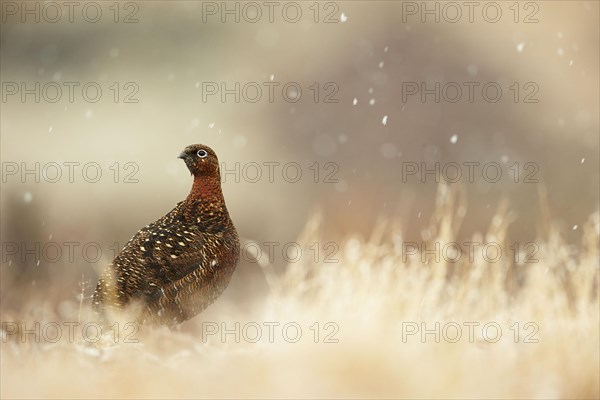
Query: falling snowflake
[[355, 101], [384, 120], [520, 47], [28, 197], [454, 138], [343, 17]]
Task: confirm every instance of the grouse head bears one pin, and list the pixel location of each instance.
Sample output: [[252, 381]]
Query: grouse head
[[201, 160]]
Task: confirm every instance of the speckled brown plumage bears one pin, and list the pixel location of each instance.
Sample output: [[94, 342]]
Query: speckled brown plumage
[[175, 267]]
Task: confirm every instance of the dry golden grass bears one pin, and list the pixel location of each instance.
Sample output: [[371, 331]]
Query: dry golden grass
[[371, 295]]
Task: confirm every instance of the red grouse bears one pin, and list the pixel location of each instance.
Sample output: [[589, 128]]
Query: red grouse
[[177, 266]]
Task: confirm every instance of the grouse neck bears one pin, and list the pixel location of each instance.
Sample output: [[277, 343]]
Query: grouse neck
[[206, 188]]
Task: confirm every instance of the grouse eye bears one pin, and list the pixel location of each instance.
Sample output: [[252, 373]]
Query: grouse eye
[[202, 153]]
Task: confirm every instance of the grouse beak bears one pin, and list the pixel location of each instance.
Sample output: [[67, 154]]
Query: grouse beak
[[182, 155]]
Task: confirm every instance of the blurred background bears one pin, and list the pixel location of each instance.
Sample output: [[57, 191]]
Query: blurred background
[[351, 129]]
